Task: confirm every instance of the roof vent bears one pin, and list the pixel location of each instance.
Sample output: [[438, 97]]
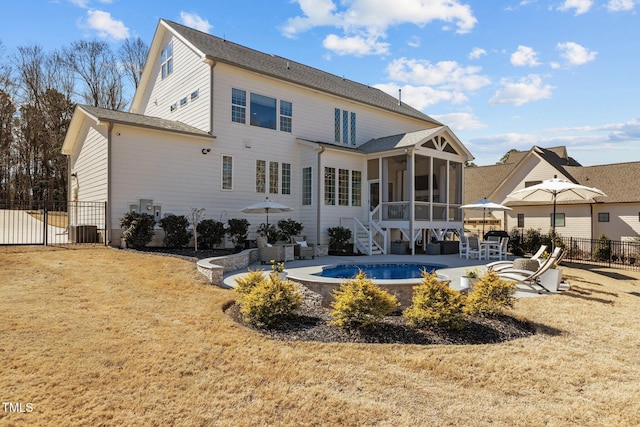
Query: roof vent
[[399, 97]]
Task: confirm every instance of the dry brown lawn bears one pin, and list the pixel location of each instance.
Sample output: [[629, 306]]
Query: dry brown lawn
[[106, 337]]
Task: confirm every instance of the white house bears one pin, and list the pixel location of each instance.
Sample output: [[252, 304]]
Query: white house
[[220, 126], [617, 216]]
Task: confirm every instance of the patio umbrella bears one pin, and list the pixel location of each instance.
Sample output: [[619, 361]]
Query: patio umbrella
[[265, 207], [485, 205], [554, 190]]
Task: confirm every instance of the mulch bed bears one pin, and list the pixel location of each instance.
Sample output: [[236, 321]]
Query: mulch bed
[[312, 324]]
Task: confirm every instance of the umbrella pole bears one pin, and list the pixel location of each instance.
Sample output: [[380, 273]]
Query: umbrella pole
[[484, 212]]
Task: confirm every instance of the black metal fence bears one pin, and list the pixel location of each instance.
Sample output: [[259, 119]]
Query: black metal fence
[[604, 252], [52, 223]]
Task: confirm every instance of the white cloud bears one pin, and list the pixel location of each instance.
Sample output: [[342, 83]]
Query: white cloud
[[421, 97], [477, 53], [369, 20], [445, 74], [620, 5], [356, 45], [80, 3], [527, 89], [460, 121], [580, 6], [195, 21], [524, 56], [575, 54], [105, 25], [414, 41]]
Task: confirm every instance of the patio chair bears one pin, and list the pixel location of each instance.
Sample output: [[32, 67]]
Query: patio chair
[[464, 246], [499, 249], [268, 252], [531, 278], [500, 265], [475, 248], [302, 248]]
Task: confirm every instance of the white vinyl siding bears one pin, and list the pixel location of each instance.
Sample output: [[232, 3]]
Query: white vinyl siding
[[90, 165]]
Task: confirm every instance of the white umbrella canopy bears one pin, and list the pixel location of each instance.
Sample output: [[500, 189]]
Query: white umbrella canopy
[[265, 207], [485, 205], [554, 190]]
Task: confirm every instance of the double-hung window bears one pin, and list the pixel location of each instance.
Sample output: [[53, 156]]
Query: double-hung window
[[261, 176], [166, 60], [273, 177], [286, 178], [306, 186], [356, 188], [238, 105], [343, 187], [286, 113]]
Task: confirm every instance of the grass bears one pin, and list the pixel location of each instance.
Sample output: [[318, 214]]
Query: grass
[[100, 336]]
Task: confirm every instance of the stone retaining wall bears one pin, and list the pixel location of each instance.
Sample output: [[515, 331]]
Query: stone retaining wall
[[215, 268]]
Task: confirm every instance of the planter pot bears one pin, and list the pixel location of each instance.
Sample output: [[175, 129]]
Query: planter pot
[[468, 282], [551, 279]]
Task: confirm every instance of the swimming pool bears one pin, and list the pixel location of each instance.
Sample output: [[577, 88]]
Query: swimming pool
[[386, 271]]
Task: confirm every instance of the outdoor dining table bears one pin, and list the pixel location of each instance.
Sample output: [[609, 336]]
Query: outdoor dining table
[[487, 245]]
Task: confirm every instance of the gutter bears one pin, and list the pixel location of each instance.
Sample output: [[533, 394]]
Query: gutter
[[107, 236]]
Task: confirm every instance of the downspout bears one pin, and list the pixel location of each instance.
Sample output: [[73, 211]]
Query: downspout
[[212, 64], [318, 195], [107, 237], [412, 197]]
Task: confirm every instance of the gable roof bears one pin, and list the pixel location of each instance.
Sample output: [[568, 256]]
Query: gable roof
[[224, 51], [411, 139], [120, 117], [481, 181]]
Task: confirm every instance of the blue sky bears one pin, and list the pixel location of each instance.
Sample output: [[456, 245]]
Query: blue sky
[[502, 74]]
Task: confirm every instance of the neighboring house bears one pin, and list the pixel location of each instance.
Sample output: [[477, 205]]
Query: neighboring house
[[617, 216], [219, 126]]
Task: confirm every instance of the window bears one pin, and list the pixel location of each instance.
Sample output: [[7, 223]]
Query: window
[[195, 94], [273, 177], [353, 128], [227, 173], [286, 178], [261, 176], [343, 187], [183, 101], [528, 184], [337, 125], [306, 186], [520, 220], [263, 111], [559, 219], [345, 127], [238, 105], [174, 106], [286, 112], [356, 188], [603, 217], [329, 186], [166, 60]]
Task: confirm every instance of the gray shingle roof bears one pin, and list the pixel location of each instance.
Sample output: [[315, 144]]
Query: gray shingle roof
[[408, 139], [144, 121], [285, 69]]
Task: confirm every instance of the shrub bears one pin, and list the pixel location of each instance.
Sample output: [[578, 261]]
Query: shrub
[[491, 295], [245, 284], [516, 243], [138, 229], [267, 301], [238, 229], [176, 234], [435, 303], [210, 233], [338, 238], [602, 251], [270, 232], [359, 302], [532, 241], [289, 227]]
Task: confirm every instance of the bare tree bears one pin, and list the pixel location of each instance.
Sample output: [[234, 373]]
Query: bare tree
[[5, 70], [7, 117], [98, 69], [133, 54]]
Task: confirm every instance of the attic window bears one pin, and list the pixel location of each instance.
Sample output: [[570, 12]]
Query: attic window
[[166, 60], [174, 106], [195, 94], [183, 101]]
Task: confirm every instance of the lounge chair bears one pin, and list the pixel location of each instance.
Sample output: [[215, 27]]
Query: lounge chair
[[268, 252], [532, 278], [303, 249], [500, 265]]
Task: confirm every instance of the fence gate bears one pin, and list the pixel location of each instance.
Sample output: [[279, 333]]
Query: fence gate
[[52, 223]]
